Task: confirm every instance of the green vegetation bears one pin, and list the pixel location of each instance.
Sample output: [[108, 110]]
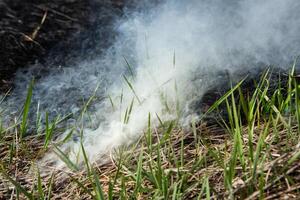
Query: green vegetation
[[252, 153]]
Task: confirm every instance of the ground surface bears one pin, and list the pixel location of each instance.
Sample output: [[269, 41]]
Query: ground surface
[[30, 29], [248, 149], [251, 153]]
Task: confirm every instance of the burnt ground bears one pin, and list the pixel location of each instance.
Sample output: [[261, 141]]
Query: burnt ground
[[31, 29]]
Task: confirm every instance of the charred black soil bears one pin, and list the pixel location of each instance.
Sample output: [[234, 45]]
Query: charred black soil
[[30, 30]]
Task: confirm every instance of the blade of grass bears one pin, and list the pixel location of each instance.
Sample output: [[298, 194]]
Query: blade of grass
[[225, 96], [132, 89], [129, 67], [17, 185], [98, 188], [65, 158], [50, 183], [26, 108]]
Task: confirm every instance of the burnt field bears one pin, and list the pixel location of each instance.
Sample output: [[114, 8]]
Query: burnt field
[[139, 99], [32, 30]]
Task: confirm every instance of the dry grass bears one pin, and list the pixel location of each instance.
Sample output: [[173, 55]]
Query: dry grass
[[253, 154], [281, 181]]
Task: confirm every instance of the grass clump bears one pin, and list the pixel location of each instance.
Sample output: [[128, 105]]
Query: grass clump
[[251, 153]]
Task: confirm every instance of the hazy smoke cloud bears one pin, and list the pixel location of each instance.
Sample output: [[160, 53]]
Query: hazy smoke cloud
[[177, 50]]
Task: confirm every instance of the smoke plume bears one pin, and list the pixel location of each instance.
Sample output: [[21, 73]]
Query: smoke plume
[[165, 57]]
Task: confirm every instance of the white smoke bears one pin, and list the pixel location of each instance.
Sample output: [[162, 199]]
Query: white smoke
[[176, 50]]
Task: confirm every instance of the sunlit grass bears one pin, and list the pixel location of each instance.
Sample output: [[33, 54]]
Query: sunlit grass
[[251, 153]]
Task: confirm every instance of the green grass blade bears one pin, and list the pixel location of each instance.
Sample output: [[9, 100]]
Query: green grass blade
[[138, 180], [294, 158], [40, 185], [207, 189], [132, 89], [129, 67], [80, 185], [67, 137], [98, 188], [26, 109], [86, 160], [65, 159], [50, 183], [225, 96], [111, 102], [18, 186]]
